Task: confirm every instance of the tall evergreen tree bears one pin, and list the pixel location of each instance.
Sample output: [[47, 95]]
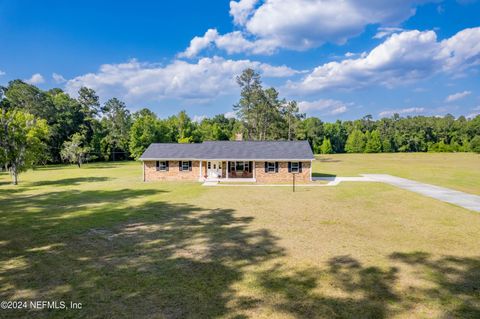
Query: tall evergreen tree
[[475, 144], [326, 147], [117, 124], [292, 117], [355, 142], [251, 96], [374, 143]]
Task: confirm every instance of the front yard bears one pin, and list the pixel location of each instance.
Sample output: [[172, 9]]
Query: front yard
[[123, 248]]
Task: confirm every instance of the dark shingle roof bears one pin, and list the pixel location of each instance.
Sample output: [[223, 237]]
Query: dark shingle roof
[[231, 150]]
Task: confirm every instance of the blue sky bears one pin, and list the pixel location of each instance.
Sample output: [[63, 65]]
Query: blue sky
[[338, 59]]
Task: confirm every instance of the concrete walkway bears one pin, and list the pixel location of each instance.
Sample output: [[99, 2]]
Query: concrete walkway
[[451, 196], [334, 181]]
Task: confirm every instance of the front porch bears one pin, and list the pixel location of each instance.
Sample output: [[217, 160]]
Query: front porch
[[224, 171]]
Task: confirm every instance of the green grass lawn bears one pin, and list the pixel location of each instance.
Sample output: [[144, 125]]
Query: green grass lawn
[[460, 171], [124, 248]]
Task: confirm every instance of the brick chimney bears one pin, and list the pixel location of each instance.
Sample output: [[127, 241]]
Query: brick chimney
[[238, 137]]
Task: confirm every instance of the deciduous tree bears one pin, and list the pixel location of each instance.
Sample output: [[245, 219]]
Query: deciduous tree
[[22, 140], [75, 150]]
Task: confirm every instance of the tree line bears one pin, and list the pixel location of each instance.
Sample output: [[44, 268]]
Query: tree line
[[40, 127]]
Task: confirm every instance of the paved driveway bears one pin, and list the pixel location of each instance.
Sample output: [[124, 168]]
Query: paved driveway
[[462, 199]]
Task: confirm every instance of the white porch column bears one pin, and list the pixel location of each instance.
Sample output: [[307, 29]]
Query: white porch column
[[200, 173]]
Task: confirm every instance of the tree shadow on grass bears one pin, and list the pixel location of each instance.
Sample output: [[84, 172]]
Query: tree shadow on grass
[[71, 181], [456, 281], [322, 159], [178, 260], [163, 259], [5, 183], [367, 291], [61, 211], [324, 175], [358, 291]]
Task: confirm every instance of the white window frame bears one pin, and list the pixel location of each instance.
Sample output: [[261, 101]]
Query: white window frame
[[183, 165], [162, 168], [270, 167], [296, 169]]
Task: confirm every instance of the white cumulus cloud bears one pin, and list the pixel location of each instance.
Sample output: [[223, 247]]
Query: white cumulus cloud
[[402, 58], [325, 106], [383, 32], [303, 24], [406, 111], [36, 78], [457, 96], [241, 10], [199, 118], [197, 44], [205, 79], [58, 78], [230, 115], [233, 42]]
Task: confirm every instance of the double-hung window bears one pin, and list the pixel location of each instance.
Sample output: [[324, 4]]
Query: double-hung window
[[295, 167], [271, 167], [161, 166], [185, 165]]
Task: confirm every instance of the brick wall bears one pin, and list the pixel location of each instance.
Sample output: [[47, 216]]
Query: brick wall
[[283, 175], [173, 173]]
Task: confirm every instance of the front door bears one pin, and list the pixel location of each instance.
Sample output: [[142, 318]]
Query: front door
[[214, 169]]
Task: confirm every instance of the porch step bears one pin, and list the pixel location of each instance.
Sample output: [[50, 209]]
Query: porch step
[[212, 182]]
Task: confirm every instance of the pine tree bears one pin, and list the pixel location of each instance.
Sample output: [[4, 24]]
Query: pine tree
[[374, 143], [387, 146], [355, 142], [326, 147], [475, 144]]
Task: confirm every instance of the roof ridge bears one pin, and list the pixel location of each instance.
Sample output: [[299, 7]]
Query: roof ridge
[[276, 141]]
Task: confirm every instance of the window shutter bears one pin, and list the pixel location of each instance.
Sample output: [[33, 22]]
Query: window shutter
[[180, 165], [250, 167], [166, 165], [276, 167], [190, 165], [266, 167], [289, 167], [228, 166], [299, 167], [157, 165]]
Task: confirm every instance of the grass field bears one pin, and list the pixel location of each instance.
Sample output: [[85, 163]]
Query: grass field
[[460, 171], [124, 248]]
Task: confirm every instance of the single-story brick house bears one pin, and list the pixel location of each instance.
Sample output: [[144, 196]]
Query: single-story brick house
[[254, 161]]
